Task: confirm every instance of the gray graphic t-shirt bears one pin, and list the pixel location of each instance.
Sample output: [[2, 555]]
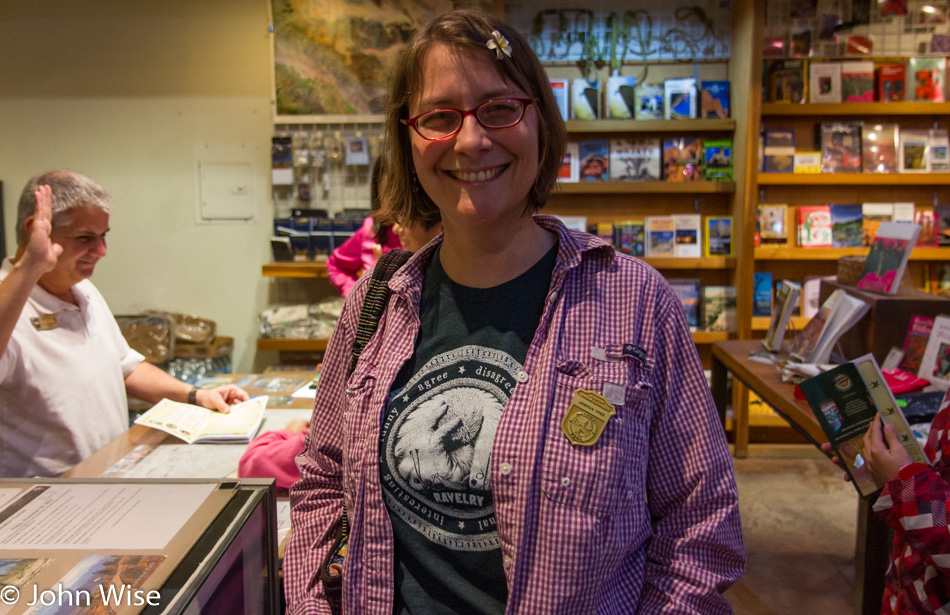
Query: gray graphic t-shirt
[[437, 435]]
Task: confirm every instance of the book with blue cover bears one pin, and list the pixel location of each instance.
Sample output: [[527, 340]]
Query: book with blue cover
[[687, 290], [847, 223], [680, 97], [762, 294], [714, 99], [594, 156]]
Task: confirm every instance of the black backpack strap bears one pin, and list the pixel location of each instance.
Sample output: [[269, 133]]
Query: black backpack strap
[[377, 296]]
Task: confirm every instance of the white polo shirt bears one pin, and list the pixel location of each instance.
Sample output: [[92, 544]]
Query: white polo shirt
[[62, 382]]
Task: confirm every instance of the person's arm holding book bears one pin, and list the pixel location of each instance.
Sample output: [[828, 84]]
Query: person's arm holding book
[[152, 384]]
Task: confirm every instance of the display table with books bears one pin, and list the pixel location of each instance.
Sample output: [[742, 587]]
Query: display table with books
[[873, 535]]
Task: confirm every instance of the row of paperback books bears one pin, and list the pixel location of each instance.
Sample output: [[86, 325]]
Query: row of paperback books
[[681, 159], [707, 308], [619, 97], [679, 235], [856, 147], [847, 225], [800, 81]]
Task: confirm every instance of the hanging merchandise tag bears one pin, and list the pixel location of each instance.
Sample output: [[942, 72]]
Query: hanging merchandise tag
[[45, 322], [586, 418]]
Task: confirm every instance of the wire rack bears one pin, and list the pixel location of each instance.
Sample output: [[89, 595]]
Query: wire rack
[[332, 165]]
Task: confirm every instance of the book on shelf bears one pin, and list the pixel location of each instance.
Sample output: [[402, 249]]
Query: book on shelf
[[845, 400], [939, 150], [786, 297], [687, 230], [714, 99], [800, 42], [196, 424], [887, 260], [786, 80], [620, 97], [915, 342], [942, 214], [606, 231], [873, 214], [806, 162], [890, 82], [840, 146], [719, 308], [718, 236], [660, 236], [680, 98], [927, 221], [635, 159], [935, 363], [649, 101], [914, 156], [778, 151], [857, 81], [929, 76], [772, 223], [585, 100], [847, 221], [570, 170], [824, 82], [904, 212], [594, 156], [837, 314], [628, 236], [814, 226], [717, 160], [682, 159], [687, 291], [562, 89], [761, 294], [879, 144]]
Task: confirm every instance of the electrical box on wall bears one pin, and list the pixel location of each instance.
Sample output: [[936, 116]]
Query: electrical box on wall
[[225, 192]]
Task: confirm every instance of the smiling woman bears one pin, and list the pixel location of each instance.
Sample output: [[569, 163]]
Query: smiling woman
[[511, 437]]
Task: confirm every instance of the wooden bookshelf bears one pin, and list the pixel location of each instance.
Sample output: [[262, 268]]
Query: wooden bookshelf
[[624, 126], [761, 323], [609, 187], [785, 253], [853, 179], [850, 109], [712, 262], [289, 345], [294, 270]]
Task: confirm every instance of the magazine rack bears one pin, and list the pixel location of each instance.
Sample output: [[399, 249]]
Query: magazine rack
[[885, 324]]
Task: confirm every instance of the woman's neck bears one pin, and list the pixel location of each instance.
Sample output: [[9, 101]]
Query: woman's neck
[[482, 258]]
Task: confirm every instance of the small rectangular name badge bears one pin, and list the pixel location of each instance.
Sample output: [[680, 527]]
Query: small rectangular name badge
[[44, 322]]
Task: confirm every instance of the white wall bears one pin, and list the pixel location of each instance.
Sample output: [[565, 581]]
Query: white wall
[[135, 94]]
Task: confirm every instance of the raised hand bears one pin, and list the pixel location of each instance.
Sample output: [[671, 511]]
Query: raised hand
[[41, 252]]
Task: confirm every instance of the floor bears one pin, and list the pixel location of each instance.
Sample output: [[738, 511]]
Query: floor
[[798, 523]]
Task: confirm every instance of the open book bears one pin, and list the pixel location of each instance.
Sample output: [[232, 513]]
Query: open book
[[845, 400], [837, 314], [196, 424]]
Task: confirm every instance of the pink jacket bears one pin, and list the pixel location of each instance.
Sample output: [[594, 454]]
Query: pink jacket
[[356, 255], [271, 455]]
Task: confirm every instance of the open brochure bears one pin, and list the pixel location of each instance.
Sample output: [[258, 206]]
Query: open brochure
[[196, 424], [845, 400]]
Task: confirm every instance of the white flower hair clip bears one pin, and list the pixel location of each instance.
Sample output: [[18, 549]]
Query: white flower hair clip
[[500, 44]]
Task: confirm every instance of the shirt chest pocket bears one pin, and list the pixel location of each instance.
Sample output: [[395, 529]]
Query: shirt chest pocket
[[610, 475]]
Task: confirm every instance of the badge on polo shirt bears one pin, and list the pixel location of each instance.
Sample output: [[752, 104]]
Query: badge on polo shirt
[[586, 418], [45, 322]]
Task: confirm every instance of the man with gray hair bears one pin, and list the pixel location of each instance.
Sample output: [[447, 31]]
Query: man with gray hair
[[64, 366]]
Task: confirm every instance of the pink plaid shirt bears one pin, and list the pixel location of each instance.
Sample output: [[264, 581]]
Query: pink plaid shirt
[[644, 521], [916, 503]]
